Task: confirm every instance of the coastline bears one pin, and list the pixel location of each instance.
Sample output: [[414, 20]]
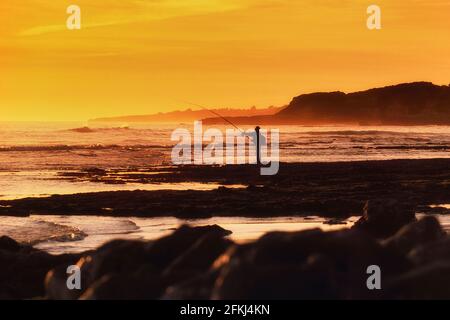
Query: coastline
[[335, 190], [203, 262]]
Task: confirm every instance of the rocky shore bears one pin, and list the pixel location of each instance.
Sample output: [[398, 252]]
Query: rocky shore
[[202, 263], [337, 190]]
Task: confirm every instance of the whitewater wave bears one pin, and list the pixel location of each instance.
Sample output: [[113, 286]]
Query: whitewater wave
[[80, 147], [414, 147], [355, 132], [32, 231], [65, 231], [91, 130]]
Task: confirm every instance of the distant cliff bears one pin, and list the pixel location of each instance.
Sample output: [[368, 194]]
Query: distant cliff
[[189, 115], [418, 103]]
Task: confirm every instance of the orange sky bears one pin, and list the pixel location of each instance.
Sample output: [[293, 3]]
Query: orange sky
[[145, 56]]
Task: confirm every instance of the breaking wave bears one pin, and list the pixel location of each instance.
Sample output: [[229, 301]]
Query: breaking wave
[[91, 130], [79, 147], [33, 231]]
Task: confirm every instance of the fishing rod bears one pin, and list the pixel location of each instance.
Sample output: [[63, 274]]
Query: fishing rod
[[215, 113], [242, 131]]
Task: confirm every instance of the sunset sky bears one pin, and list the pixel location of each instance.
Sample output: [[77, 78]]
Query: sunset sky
[[147, 56]]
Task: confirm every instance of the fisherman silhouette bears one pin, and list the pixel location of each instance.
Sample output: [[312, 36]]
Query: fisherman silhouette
[[259, 140]]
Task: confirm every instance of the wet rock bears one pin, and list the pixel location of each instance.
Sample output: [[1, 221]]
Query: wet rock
[[338, 208], [165, 250], [8, 244], [201, 263], [23, 269], [117, 256], [113, 181], [198, 258], [94, 171], [82, 130], [151, 280], [184, 253], [415, 234], [336, 221], [196, 288], [143, 284], [430, 282], [431, 252], [383, 218], [56, 285], [243, 278], [305, 265], [282, 281]]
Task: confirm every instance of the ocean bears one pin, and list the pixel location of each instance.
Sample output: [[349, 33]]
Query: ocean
[[34, 154]]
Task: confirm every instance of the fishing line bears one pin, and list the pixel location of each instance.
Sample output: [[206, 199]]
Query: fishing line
[[215, 113]]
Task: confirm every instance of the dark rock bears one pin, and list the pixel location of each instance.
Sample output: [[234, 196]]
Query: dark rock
[[23, 270], [431, 252], [95, 171], [200, 263], [184, 253], [248, 281], [185, 261], [336, 221], [143, 284], [415, 234], [196, 288], [9, 244], [198, 258], [325, 189], [383, 218], [117, 257], [165, 250], [82, 130], [56, 285], [430, 282], [305, 265]]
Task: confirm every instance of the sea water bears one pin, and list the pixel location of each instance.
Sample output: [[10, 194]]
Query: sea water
[[32, 154]]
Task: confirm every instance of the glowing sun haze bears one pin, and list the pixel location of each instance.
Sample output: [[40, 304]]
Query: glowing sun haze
[[145, 56]]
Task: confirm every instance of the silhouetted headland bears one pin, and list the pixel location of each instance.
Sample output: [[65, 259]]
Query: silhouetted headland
[[417, 103]]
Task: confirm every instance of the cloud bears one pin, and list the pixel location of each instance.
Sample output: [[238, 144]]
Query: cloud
[[104, 13]]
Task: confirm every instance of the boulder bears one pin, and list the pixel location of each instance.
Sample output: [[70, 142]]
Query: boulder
[[431, 252], [415, 234], [11, 245], [248, 281], [198, 287], [165, 250], [23, 269], [143, 284], [116, 257], [383, 218], [184, 253], [56, 283], [429, 282], [305, 265], [198, 258]]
